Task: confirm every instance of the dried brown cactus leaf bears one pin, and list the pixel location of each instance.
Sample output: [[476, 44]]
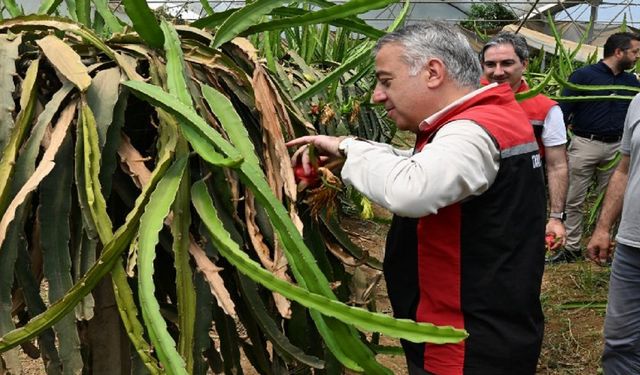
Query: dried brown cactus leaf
[[276, 265], [342, 255], [280, 271], [277, 161], [247, 47], [212, 275], [66, 61], [42, 170], [257, 239], [132, 162]]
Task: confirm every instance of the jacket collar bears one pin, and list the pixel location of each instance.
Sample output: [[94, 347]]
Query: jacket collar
[[428, 123]]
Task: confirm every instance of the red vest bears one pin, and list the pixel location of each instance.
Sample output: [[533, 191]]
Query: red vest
[[536, 109], [478, 263], [495, 110]]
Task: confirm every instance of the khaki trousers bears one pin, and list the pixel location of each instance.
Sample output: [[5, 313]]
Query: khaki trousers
[[585, 156]]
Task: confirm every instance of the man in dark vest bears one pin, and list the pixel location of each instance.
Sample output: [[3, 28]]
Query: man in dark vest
[[464, 246], [504, 59]]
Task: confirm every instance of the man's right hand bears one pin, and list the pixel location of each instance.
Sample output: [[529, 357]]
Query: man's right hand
[[600, 247], [326, 146]]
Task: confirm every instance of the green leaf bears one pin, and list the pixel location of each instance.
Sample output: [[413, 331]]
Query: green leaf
[[573, 305], [196, 130], [590, 98], [83, 10], [151, 223], [185, 289], [48, 6], [612, 164], [14, 242], [73, 11], [227, 331], [324, 15], [577, 87], [351, 23], [356, 58], [242, 19], [181, 218], [8, 55], [110, 19], [342, 340], [269, 44], [13, 8], [144, 22], [35, 305], [535, 90], [110, 253], [176, 81], [98, 223], [91, 163], [595, 208], [102, 97], [399, 21], [232, 123], [53, 214], [366, 320], [207, 7], [23, 122], [203, 342], [279, 340], [213, 20], [388, 350], [202, 138], [129, 315]]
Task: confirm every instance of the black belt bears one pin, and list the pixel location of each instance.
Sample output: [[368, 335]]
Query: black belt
[[599, 137]]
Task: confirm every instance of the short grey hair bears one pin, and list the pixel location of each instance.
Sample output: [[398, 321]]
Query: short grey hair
[[518, 42], [437, 40]]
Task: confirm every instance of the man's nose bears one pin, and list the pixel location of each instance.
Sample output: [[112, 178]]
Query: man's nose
[[378, 95], [498, 70]]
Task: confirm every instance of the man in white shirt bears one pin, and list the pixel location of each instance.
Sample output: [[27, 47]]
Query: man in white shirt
[[504, 59], [464, 248]]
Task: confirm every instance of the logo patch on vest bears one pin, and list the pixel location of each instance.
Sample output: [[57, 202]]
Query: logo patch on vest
[[536, 161]]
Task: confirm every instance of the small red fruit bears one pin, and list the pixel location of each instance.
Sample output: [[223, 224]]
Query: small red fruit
[[550, 241], [310, 179]]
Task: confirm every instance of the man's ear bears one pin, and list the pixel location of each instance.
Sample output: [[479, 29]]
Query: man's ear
[[435, 72], [525, 63]]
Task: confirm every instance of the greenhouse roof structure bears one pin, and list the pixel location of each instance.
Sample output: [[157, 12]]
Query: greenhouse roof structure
[[611, 12]]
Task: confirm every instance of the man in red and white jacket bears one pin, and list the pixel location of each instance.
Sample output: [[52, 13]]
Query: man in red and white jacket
[[468, 201], [504, 59]]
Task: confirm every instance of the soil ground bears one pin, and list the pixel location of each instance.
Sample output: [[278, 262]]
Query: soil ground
[[573, 337]]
